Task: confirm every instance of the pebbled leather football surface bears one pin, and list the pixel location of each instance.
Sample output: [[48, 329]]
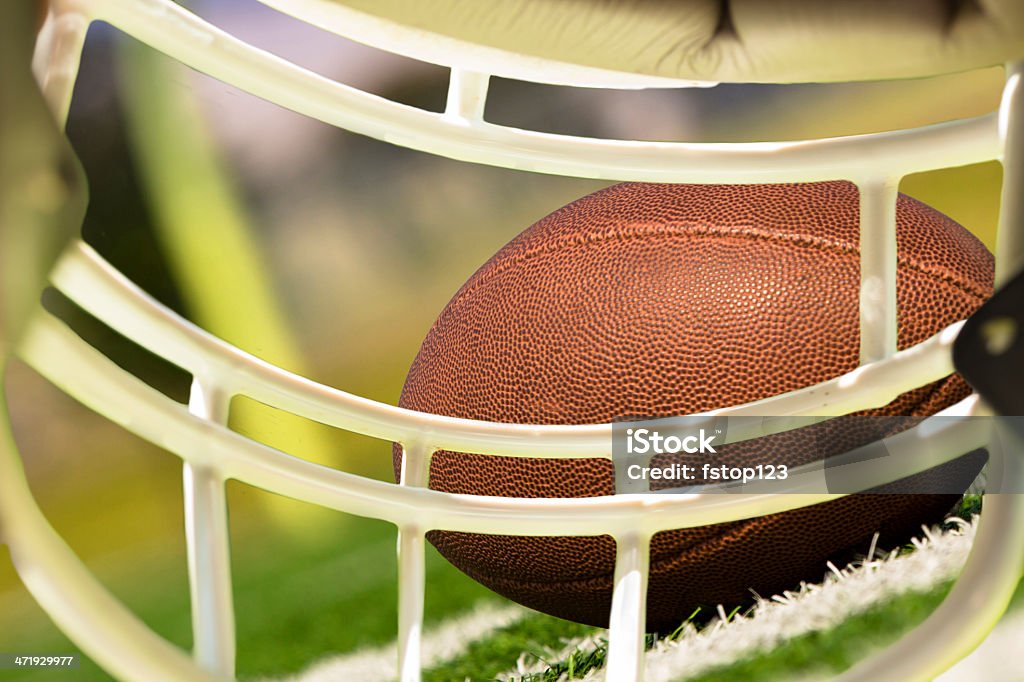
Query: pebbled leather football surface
[[661, 300]]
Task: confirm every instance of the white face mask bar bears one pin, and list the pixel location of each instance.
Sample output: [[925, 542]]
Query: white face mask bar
[[212, 453]]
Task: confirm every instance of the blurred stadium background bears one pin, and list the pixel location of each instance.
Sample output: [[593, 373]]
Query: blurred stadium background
[[331, 254]]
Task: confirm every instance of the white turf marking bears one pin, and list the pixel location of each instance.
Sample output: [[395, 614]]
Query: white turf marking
[[843, 593], [445, 641]]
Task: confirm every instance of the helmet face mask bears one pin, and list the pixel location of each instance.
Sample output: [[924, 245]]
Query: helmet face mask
[[213, 454]]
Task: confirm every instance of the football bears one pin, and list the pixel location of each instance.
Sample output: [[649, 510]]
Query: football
[[663, 300]]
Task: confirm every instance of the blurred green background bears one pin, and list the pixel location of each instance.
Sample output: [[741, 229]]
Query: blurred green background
[[331, 254]]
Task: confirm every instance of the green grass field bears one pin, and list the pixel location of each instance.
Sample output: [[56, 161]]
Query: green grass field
[[294, 601], [299, 601]]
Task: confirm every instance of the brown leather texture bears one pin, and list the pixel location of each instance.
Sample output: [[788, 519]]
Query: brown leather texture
[[661, 300]]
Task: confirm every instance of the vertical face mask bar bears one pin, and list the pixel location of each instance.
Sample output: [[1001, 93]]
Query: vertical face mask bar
[[878, 327], [207, 542], [412, 572], [629, 606], [1010, 240], [875, 162], [996, 561], [467, 96]]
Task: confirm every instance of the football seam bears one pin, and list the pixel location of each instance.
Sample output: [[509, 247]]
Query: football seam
[[637, 232]]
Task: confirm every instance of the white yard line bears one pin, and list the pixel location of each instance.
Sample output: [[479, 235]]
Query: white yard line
[[938, 558], [845, 592], [443, 642]]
